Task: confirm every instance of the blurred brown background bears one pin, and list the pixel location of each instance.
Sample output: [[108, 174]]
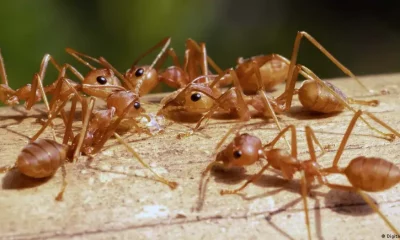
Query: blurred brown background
[[364, 35]]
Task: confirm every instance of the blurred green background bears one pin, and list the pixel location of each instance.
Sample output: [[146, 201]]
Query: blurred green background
[[364, 35]]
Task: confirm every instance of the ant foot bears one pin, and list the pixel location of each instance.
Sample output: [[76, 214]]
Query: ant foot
[[173, 185], [185, 134], [224, 192]]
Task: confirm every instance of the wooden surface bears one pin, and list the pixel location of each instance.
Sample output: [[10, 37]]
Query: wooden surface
[[114, 197]]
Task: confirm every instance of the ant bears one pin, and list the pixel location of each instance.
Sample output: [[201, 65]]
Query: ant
[[377, 173], [41, 158], [275, 69], [30, 93], [315, 94], [205, 98], [142, 79], [101, 83], [101, 126]]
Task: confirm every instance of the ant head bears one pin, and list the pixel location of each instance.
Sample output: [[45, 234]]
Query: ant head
[[193, 99], [100, 77], [244, 150], [144, 78], [120, 101]]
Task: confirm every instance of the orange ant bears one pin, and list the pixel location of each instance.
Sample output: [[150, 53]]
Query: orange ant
[[102, 83], [101, 127], [205, 98], [315, 94], [30, 93], [41, 158], [377, 173], [275, 69], [142, 79]]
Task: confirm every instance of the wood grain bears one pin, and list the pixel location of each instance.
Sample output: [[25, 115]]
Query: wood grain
[[112, 196]]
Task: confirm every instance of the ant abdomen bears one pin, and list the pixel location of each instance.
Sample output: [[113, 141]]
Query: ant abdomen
[[273, 72], [372, 174], [41, 158], [315, 97]]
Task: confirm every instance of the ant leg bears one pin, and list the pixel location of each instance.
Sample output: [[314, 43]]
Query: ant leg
[[45, 63], [345, 139], [67, 135], [290, 87], [252, 179], [349, 130], [68, 129], [186, 60], [163, 43], [204, 66], [368, 201], [58, 88], [304, 197], [51, 117], [191, 62], [81, 99], [376, 209], [295, 52], [171, 52], [172, 185], [53, 87], [7, 168], [195, 45], [373, 117], [60, 194], [310, 135], [111, 128], [37, 83], [85, 123], [292, 128], [340, 99], [3, 73], [78, 56], [269, 110], [74, 71], [372, 103]]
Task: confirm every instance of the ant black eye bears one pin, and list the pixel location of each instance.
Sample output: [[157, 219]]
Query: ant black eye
[[237, 154], [139, 72], [195, 97], [102, 80], [136, 105]]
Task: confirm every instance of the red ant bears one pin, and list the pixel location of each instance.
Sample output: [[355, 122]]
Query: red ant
[[30, 93], [41, 158], [246, 149], [206, 98], [142, 79]]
